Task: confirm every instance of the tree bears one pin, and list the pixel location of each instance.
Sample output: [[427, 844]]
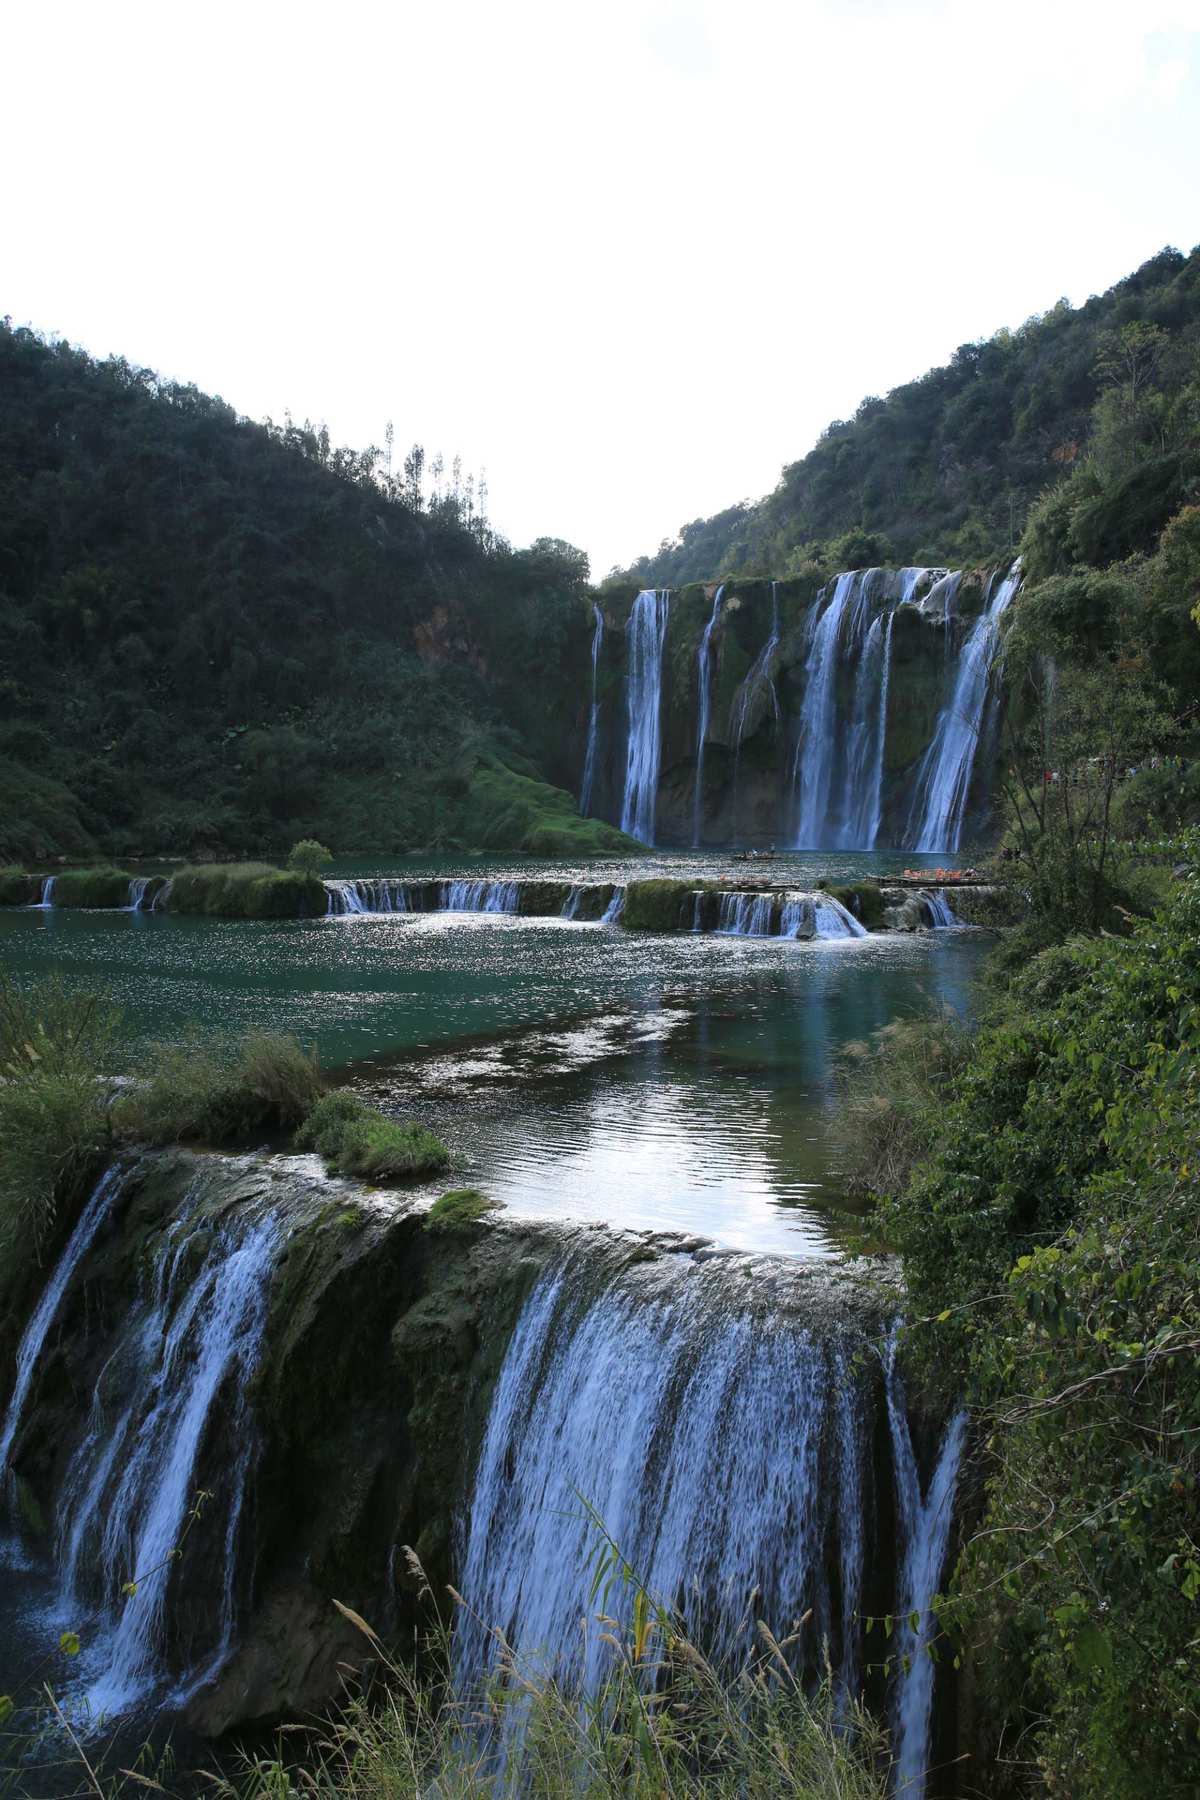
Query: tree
[[308, 857]]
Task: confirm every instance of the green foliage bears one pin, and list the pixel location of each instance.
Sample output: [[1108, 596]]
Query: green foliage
[[17, 888], [503, 808], [54, 1129], [104, 887], [357, 1139], [659, 905], [1051, 1237], [458, 1210], [890, 1091], [247, 891], [307, 857], [215, 1093]]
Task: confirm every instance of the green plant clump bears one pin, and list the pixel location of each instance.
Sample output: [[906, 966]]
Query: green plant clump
[[458, 1210], [658, 905], [357, 1139], [102, 887], [247, 891], [215, 1093], [308, 857], [16, 887]]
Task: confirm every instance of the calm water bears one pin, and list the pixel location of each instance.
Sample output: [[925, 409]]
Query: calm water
[[669, 1082]]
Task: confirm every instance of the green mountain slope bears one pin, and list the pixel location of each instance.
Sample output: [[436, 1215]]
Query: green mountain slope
[[218, 636]]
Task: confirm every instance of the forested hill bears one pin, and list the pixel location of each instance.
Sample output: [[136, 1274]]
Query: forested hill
[[946, 468], [216, 636]]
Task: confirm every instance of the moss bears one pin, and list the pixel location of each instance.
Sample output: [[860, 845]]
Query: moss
[[659, 905], [356, 1139], [246, 891], [458, 1210], [17, 888], [103, 887], [864, 899], [542, 899]]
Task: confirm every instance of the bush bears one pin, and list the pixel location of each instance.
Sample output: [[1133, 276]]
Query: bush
[[458, 1210], [308, 857], [102, 887], [892, 1091], [357, 1139], [246, 891], [17, 888], [217, 1093]]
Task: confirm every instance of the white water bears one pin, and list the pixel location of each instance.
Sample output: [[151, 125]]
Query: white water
[[816, 747], [480, 896], [571, 903], [646, 633], [348, 899], [45, 899], [137, 892], [746, 915], [925, 1521], [615, 907], [833, 920], [942, 915], [46, 1311], [589, 761], [698, 1435], [703, 688], [862, 776], [943, 779], [130, 1488], [159, 902]]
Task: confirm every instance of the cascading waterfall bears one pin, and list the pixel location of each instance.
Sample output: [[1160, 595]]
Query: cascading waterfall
[[571, 904], [862, 779], [833, 920], [159, 902], [925, 1522], [349, 899], [943, 780], [746, 915], [45, 899], [646, 634], [942, 916], [132, 1481], [30, 1348], [589, 761], [759, 676], [137, 892], [716, 1488], [615, 907], [703, 686], [481, 896], [817, 743]]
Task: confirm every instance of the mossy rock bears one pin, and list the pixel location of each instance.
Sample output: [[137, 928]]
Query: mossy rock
[[863, 899], [458, 1210], [246, 891], [659, 905], [101, 888]]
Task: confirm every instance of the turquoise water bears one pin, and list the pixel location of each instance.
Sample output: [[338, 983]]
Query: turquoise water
[[576, 1070]]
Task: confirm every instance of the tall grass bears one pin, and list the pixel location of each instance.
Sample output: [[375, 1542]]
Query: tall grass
[[891, 1089], [357, 1139], [249, 890], [205, 1089]]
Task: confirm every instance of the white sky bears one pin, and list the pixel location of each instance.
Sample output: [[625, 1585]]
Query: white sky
[[629, 257]]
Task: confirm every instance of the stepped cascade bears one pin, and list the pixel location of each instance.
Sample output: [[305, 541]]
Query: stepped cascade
[[589, 761], [703, 689], [646, 635]]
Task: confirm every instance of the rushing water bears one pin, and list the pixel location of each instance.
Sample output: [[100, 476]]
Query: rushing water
[[646, 633], [703, 691]]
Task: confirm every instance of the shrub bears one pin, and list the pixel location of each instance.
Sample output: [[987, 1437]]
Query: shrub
[[357, 1139], [308, 857], [214, 1092], [102, 887], [17, 888], [246, 891], [892, 1091], [457, 1210]]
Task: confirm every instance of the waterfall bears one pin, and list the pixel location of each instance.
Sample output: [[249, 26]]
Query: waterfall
[[480, 896], [137, 892], [746, 915], [347, 899], [943, 780], [615, 907], [703, 677], [832, 920], [863, 772], [589, 761], [797, 920], [46, 1311], [45, 899], [718, 1485], [875, 816], [570, 908], [816, 747], [159, 902], [942, 916], [925, 1522], [179, 1373], [646, 633], [758, 676]]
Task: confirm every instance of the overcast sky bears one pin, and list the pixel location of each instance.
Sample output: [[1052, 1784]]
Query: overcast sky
[[630, 258]]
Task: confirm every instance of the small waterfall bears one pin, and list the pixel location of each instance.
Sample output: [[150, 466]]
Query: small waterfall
[[926, 1527], [942, 916], [137, 892], [570, 908], [349, 899], [719, 1486], [646, 634], [615, 907], [831, 919], [797, 918], [45, 899], [589, 761], [816, 749], [874, 817], [746, 915], [159, 902], [46, 1311], [180, 1372], [480, 896], [943, 780], [703, 681]]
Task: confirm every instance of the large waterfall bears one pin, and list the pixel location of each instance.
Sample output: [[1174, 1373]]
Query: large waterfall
[[740, 1483], [817, 744], [703, 690], [647, 631], [589, 761], [943, 780]]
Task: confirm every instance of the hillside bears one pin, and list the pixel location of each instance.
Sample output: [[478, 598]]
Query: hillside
[[946, 468], [217, 636]]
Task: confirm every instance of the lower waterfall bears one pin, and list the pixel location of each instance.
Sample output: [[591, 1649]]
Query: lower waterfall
[[725, 1442]]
